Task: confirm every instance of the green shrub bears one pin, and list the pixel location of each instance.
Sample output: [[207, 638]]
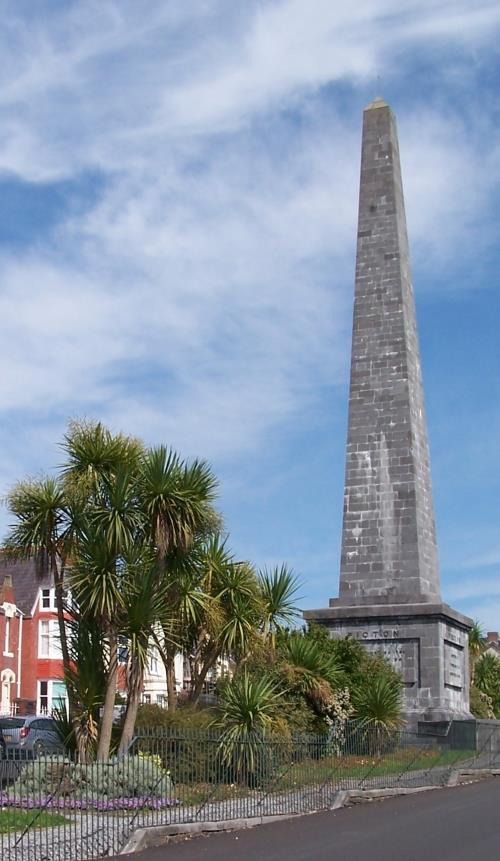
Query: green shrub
[[129, 777]]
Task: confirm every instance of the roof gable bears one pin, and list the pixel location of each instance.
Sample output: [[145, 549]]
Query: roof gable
[[26, 581]]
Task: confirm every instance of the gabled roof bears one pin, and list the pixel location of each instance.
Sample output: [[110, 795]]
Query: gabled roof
[[26, 581]]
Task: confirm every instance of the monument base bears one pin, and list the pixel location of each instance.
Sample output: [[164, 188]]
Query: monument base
[[425, 643]]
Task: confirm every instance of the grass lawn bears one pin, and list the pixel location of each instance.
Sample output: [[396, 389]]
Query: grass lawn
[[12, 819], [310, 772], [359, 767]]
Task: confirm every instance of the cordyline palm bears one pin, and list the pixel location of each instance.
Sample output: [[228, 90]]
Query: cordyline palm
[[377, 703], [144, 603], [96, 580], [279, 588], [488, 676], [175, 499], [185, 611], [246, 712], [101, 470], [86, 678], [45, 530], [476, 645], [231, 616], [310, 670], [93, 453]]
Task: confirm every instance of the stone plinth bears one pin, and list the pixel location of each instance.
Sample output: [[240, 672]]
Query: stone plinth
[[426, 643]]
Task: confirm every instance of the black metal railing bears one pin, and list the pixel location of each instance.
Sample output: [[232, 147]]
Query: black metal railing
[[52, 807]]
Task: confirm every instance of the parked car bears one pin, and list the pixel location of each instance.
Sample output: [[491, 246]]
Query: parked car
[[30, 736]]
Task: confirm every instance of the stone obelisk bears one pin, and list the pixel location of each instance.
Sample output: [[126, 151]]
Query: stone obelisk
[[389, 593]]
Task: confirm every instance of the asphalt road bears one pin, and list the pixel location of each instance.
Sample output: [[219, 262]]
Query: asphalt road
[[459, 824]]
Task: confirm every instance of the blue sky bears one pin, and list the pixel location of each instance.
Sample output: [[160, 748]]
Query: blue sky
[[178, 187]]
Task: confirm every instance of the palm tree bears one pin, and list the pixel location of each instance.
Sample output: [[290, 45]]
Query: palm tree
[[176, 502], [144, 603], [246, 713], [96, 582], [44, 530], [101, 471], [175, 499], [488, 678], [233, 615], [377, 703], [279, 589], [86, 679], [92, 453], [476, 645], [310, 670], [115, 500]]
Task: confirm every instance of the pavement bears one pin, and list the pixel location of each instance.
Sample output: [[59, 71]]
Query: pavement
[[456, 824]]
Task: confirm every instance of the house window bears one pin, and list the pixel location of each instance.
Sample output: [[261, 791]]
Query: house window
[[146, 698], [6, 644], [43, 697], [122, 650], [59, 696], [48, 599], [48, 639], [51, 695], [153, 662]]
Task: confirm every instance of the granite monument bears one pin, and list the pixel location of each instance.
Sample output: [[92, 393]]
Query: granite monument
[[389, 595]]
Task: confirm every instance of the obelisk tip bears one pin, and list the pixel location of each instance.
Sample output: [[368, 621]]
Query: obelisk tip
[[378, 102]]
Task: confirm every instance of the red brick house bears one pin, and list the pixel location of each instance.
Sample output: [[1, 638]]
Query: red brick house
[[11, 622], [31, 669], [30, 626]]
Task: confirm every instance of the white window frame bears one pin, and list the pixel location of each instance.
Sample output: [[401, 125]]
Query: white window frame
[[48, 596], [48, 633], [153, 661], [49, 696], [6, 645]]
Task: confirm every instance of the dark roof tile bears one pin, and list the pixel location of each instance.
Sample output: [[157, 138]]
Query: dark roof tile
[[26, 581]]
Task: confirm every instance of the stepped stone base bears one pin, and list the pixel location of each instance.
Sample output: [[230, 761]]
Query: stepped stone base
[[426, 643]]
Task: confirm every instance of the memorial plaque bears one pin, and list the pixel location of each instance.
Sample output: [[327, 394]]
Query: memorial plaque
[[402, 654], [453, 665]]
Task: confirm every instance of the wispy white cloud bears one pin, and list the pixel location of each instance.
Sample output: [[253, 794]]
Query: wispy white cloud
[[204, 298], [484, 560]]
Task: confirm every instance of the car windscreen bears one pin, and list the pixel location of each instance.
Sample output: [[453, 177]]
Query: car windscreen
[[11, 723]]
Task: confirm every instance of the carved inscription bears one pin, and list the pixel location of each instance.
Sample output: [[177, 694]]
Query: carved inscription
[[453, 665], [402, 652]]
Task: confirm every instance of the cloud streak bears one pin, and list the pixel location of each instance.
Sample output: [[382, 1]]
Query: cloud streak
[[202, 294]]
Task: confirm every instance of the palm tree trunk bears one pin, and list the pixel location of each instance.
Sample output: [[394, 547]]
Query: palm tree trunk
[[134, 695], [171, 686], [200, 680], [58, 573], [63, 639], [168, 660], [109, 700]]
